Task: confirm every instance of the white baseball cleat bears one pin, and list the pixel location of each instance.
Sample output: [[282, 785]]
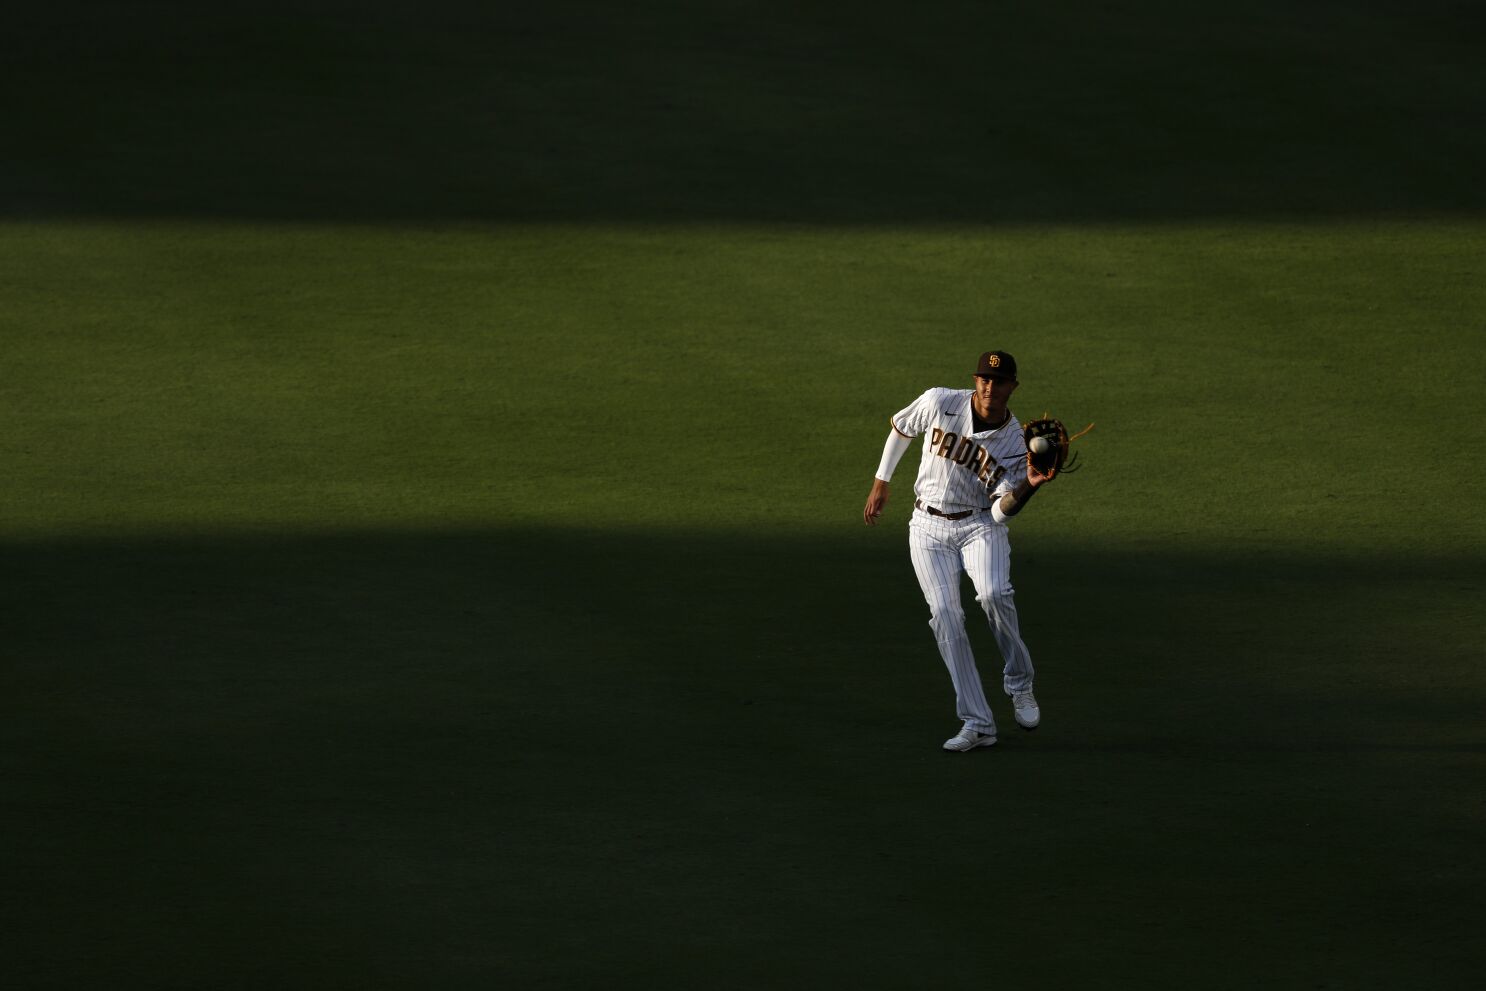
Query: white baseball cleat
[[969, 739], [1027, 713]]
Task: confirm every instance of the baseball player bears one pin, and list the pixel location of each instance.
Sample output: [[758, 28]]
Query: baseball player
[[973, 477]]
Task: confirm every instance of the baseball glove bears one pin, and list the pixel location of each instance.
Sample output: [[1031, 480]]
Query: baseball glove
[[1047, 446]]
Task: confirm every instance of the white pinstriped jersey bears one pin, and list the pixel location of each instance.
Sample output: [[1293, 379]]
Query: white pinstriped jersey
[[961, 469]]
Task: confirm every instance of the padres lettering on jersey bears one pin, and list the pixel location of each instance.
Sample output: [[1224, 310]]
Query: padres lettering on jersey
[[960, 469], [967, 455]]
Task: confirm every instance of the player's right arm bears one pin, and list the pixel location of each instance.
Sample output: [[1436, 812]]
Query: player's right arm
[[905, 428], [892, 453], [876, 502]]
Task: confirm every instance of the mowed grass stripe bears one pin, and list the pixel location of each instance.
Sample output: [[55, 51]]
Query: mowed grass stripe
[[1260, 383]]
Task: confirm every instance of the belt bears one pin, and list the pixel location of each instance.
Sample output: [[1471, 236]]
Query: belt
[[948, 516]]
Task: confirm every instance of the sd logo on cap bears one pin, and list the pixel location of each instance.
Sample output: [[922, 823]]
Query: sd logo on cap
[[997, 365]]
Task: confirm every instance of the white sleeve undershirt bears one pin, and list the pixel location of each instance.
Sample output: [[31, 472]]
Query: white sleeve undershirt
[[892, 453]]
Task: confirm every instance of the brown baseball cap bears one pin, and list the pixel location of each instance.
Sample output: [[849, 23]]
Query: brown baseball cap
[[997, 365]]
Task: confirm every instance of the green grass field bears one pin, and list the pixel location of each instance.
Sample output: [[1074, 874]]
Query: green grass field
[[435, 448]]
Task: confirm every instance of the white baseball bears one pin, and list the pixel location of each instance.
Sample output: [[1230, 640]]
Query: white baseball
[[1040, 445]]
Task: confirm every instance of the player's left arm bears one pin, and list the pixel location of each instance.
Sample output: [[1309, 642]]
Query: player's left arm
[[1016, 498], [1011, 497], [1046, 442]]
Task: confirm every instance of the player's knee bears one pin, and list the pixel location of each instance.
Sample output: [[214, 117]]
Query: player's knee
[[997, 600], [947, 621]]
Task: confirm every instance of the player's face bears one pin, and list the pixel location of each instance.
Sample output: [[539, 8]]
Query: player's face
[[993, 393]]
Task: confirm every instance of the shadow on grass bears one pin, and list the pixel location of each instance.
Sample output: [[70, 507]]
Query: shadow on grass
[[577, 758], [576, 110]]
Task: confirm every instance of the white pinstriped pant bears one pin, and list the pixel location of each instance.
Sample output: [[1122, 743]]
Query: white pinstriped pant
[[941, 550]]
